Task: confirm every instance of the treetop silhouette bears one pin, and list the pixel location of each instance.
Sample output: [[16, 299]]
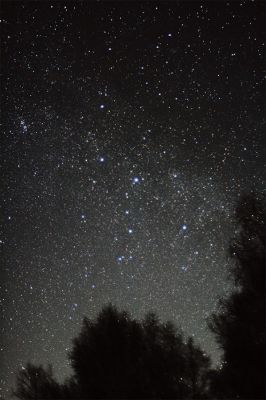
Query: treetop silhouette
[[239, 326]]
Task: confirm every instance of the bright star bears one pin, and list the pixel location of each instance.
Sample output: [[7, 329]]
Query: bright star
[[136, 180]]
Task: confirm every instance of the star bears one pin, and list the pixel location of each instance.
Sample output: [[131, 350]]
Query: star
[[135, 180]]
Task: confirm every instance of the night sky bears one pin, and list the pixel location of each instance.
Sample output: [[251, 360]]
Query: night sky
[[129, 129]]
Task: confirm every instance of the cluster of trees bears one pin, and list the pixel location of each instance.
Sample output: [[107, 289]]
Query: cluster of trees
[[115, 356], [239, 327]]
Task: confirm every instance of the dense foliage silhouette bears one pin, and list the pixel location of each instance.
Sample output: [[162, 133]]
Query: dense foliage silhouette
[[36, 382], [239, 326], [118, 357], [115, 356]]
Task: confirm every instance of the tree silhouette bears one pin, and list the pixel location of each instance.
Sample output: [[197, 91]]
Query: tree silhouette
[[239, 326], [198, 370], [115, 356], [36, 382], [118, 357]]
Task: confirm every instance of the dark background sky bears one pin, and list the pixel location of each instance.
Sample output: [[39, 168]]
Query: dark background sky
[[129, 130]]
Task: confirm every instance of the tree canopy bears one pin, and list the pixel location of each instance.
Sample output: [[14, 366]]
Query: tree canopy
[[115, 356], [239, 326], [118, 357]]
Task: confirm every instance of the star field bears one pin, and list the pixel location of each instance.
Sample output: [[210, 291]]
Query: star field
[[129, 130]]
